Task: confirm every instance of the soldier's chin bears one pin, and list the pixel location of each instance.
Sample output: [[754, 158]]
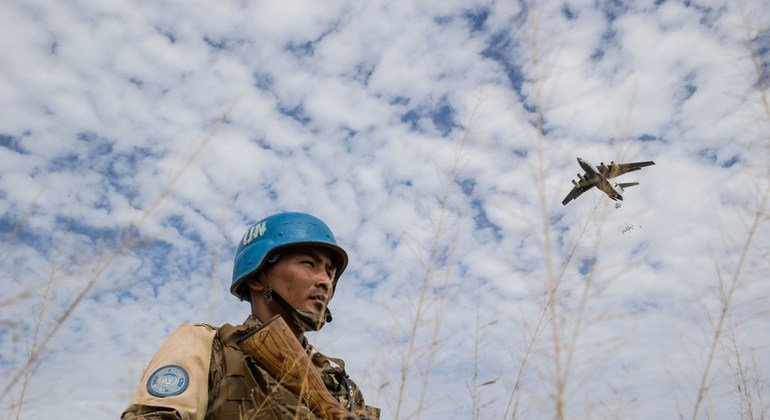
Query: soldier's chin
[[316, 307]]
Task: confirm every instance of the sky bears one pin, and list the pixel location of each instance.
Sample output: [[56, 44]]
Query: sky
[[139, 141]]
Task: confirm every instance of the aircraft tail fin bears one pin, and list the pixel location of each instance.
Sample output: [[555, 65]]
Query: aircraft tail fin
[[628, 184]]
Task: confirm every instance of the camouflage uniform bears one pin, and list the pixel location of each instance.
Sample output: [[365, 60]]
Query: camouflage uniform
[[220, 382]]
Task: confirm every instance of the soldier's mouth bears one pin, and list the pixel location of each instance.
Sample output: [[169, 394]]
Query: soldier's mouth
[[319, 298]]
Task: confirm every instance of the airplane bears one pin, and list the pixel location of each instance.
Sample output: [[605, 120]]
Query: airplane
[[599, 177]]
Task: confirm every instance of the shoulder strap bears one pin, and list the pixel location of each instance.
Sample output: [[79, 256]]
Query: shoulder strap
[[227, 334], [338, 362]]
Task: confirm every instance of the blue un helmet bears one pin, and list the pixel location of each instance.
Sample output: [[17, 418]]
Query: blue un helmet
[[279, 231]]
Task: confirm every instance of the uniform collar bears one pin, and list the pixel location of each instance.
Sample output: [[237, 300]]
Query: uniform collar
[[252, 322]]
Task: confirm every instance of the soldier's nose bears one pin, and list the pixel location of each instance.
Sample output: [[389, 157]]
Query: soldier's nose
[[325, 284]]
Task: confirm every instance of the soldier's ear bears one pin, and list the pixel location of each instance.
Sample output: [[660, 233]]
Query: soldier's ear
[[254, 288], [255, 285]]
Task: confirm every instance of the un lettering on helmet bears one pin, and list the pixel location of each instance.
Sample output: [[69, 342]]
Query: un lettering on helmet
[[255, 232]]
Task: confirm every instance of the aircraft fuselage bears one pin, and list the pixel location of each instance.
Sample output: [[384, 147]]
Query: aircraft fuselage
[[612, 189], [602, 177]]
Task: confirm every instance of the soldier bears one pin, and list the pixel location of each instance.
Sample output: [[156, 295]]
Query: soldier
[[287, 264]]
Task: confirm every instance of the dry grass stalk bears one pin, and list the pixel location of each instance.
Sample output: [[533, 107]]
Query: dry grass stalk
[[728, 288], [750, 399], [563, 350], [436, 252], [125, 243]]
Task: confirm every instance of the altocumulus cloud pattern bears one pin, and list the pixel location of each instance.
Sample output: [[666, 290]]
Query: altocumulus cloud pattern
[[138, 140]]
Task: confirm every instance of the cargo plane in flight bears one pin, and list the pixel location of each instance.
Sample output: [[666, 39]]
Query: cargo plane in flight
[[599, 177]]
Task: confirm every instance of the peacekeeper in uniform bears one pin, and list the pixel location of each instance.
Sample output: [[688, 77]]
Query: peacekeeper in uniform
[[286, 264]]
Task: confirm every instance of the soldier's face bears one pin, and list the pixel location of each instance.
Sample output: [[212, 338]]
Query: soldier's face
[[303, 277]]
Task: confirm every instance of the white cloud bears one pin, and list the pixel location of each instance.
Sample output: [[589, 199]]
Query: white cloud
[[367, 115]]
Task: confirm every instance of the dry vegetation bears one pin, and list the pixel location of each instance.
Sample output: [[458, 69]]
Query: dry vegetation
[[550, 358], [747, 268], [564, 313], [18, 377]]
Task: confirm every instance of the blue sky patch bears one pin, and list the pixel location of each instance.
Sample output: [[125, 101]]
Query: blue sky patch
[[167, 33], [441, 115], [442, 20], [711, 155], [500, 49], [732, 161], [53, 47], [708, 153], [164, 259], [477, 18], [12, 143], [297, 113], [106, 236], [262, 80], [481, 220], [97, 145], [364, 72], [12, 230], [761, 45], [300, 49], [612, 9], [186, 230], [412, 118], [69, 162], [262, 143], [467, 186], [399, 100], [217, 44], [687, 91], [607, 39], [585, 265], [568, 12], [521, 153]]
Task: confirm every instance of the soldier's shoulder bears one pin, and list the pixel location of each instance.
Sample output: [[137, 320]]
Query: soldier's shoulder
[[207, 327], [193, 332], [188, 342]]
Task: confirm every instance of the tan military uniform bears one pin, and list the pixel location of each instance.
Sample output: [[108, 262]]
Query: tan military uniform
[[199, 372]]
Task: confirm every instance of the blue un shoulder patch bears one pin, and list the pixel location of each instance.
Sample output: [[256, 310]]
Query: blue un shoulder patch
[[168, 381]]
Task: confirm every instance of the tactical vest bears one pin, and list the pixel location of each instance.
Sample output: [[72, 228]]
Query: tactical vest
[[247, 391]]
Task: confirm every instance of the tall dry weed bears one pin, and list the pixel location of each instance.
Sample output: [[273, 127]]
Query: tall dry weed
[[734, 274], [434, 272], [128, 240]]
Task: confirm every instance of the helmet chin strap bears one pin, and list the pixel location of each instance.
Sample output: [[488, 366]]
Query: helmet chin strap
[[304, 320]]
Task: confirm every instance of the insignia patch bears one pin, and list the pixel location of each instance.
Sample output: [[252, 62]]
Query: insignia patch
[[168, 381]]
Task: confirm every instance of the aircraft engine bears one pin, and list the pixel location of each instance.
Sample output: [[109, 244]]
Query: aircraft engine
[[574, 183], [581, 177]]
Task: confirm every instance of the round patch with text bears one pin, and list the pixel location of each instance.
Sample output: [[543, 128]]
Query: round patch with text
[[168, 381]]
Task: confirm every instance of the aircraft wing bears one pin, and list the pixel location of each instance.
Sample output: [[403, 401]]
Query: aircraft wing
[[578, 189], [617, 169]]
